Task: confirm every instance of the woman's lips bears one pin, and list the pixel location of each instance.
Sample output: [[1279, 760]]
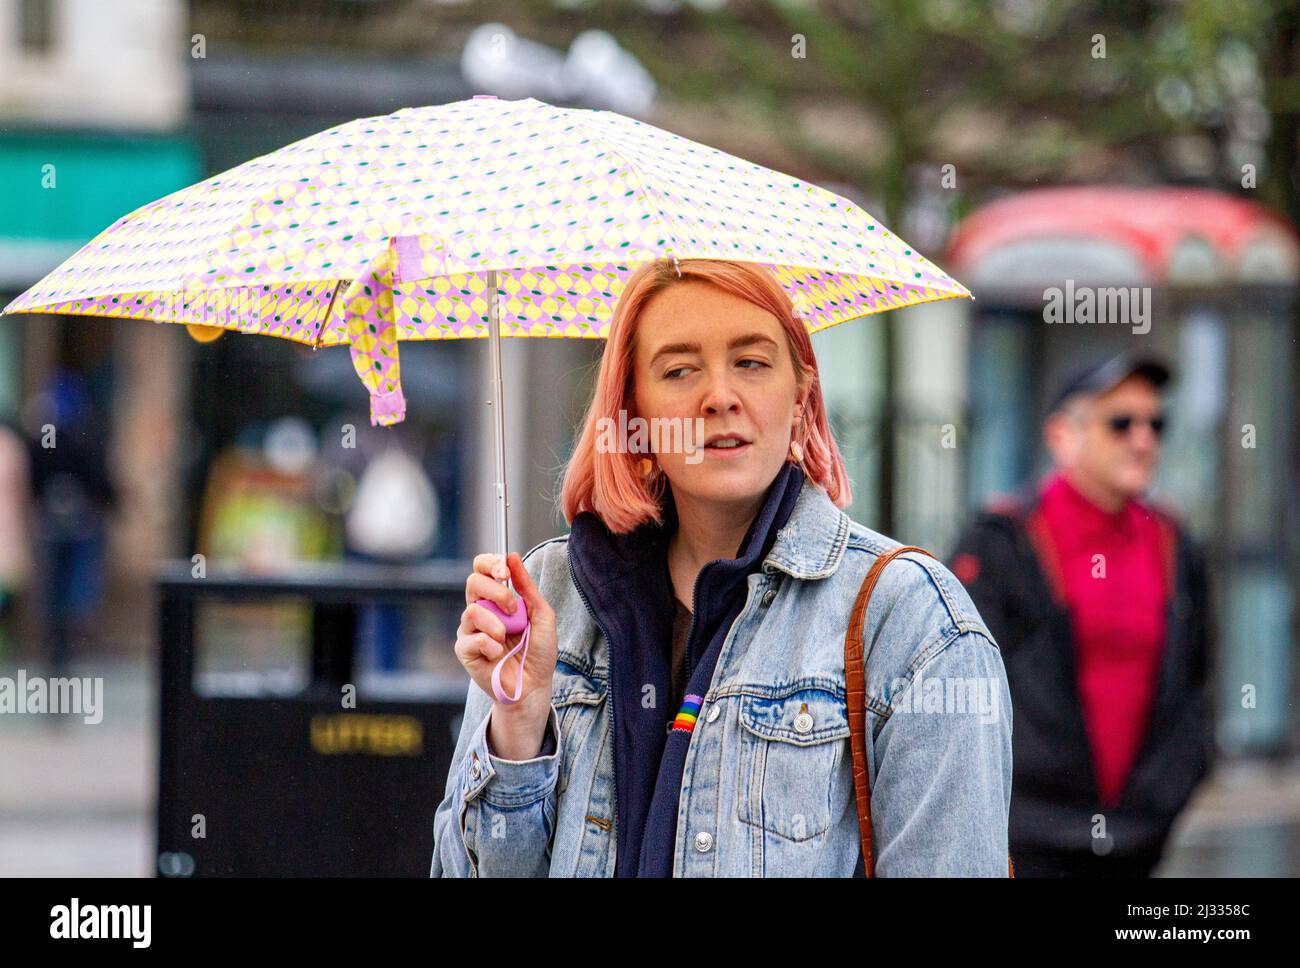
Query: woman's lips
[[728, 453]]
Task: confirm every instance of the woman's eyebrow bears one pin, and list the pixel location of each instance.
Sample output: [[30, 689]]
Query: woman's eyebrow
[[747, 340]]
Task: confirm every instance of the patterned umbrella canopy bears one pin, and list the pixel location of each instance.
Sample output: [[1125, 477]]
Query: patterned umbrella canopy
[[400, 227], [480, 218]]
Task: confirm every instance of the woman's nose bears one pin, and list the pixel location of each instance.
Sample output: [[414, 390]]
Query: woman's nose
[[719, 396]]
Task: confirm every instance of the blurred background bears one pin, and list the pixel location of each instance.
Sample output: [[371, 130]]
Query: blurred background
[[208, 540]]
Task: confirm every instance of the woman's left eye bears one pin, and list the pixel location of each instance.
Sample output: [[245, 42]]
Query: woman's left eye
[[759, 362]]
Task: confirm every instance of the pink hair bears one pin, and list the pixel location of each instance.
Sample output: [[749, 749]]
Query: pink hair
[[611, 484]]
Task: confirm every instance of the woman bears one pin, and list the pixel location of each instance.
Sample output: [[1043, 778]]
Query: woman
[[683, 699]]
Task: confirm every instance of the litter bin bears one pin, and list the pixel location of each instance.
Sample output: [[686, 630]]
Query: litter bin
[[280, 751]]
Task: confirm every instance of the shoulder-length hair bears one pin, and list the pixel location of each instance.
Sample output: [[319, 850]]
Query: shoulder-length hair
[[611, 484]]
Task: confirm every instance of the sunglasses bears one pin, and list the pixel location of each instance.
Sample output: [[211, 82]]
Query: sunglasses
[[1121, 423]]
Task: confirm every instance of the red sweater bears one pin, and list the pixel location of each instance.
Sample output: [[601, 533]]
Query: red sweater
[[1117, 610]]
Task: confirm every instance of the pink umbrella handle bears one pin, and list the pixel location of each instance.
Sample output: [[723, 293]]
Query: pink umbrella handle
[[516, 623]]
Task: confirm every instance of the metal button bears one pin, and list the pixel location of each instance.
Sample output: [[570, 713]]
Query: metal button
[[768, 596], [704, 841], [803, 722], [474, 769], [713, 713]]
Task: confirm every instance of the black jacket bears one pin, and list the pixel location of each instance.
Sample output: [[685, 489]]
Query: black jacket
[[1054, 800]]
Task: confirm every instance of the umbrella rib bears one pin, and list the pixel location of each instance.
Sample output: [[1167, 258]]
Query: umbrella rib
[[226, 240], [320, 330], [645, 189]]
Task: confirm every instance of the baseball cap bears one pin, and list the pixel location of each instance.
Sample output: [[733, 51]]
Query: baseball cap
[[1099, 374]]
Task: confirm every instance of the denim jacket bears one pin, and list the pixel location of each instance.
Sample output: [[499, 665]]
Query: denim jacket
[[767, 788]]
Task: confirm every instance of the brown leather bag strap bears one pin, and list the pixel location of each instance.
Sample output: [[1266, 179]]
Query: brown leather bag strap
[[855, 685]]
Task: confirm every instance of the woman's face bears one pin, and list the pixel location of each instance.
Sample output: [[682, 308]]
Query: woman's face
[[703, 353]]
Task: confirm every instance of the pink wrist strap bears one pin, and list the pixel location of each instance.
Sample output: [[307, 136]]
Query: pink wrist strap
[[522, 649], [518, 622]]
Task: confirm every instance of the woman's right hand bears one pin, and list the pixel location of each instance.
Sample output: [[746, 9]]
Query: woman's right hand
[[517, 730]]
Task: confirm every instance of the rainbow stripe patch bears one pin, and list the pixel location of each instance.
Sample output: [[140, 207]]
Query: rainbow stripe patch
[[686, 716]]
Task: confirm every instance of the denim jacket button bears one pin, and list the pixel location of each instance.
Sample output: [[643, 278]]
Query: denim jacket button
[[703, 841], [713, 713], [768, 596], [474, 769], [803, 722]]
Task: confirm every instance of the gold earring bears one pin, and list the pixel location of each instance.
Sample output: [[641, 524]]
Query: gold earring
[[647, 467]]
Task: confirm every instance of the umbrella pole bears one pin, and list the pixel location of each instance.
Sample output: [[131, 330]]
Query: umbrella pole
[[498, 423]]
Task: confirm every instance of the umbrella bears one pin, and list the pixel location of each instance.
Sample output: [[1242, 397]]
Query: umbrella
[[479, 218]]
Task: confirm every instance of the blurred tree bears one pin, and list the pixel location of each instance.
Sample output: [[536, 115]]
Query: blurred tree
[[881, 93]]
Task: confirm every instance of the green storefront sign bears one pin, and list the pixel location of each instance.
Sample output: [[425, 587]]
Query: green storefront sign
[[59, 190]]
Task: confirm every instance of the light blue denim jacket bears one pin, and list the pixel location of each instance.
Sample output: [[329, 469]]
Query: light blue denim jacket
[[767, 788]]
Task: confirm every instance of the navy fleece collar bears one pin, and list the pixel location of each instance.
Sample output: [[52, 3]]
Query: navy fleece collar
[[627, 585]]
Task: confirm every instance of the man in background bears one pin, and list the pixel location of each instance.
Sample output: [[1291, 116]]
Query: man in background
[[1100, 606]]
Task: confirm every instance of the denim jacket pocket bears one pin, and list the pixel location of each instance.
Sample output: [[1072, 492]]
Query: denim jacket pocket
[[791, 745]]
